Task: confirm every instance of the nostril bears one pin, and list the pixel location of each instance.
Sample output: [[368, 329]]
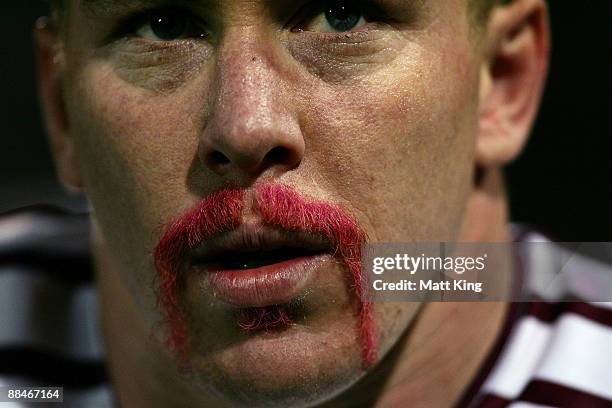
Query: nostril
[[216, 158], [277, 155]]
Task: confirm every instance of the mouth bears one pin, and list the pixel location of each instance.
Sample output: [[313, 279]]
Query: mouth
[[259, 267]]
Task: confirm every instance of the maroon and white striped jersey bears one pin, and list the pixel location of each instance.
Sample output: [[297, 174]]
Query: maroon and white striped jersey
[[552, 353]]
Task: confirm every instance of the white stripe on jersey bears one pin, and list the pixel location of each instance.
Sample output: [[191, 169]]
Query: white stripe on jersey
[[518, 361], [579, 356]]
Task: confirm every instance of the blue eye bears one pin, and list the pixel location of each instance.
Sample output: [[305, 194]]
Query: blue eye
[[168, 26], [333, 16], [342, 15]]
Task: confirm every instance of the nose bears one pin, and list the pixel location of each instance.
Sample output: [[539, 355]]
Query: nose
[[251, 130]]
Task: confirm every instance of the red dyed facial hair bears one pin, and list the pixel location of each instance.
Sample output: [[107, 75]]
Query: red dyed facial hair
[[282, 207], [219, 212]]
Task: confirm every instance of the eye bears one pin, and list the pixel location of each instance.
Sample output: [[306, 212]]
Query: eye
[[342, 15], [337, 16], [168, 26]]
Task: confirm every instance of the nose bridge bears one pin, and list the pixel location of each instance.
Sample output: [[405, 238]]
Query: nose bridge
[[250, 124], [246, 85]]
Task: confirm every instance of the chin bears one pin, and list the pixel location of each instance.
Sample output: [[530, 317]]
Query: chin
[[299, 366]]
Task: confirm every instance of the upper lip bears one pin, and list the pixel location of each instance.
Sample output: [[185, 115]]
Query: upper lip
[[254, 238]]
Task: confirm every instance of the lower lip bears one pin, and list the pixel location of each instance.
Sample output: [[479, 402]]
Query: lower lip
[[267, 285]]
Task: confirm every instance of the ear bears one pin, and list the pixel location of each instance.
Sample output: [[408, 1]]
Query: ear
[[50, 58], [516, 48]]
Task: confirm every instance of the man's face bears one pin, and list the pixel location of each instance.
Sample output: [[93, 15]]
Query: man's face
[[371, 109]]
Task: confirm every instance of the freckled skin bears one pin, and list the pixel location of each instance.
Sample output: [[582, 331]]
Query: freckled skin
[[381, 122]]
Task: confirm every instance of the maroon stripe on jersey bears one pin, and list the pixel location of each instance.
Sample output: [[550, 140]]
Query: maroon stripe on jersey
[[491, 401], [546, 393], [549, 312]]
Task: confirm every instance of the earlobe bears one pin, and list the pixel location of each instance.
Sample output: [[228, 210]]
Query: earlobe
[[512, 80], [50, 56]]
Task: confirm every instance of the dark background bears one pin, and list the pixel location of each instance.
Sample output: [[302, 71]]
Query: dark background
[[561, 184]]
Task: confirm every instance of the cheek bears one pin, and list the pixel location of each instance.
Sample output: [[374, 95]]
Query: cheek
[[135, 150], [398, 147]]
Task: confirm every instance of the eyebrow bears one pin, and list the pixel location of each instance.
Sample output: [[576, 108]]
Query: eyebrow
[[97, 7]]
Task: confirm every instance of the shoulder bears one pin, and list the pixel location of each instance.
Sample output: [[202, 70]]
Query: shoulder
[[557, 352]]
